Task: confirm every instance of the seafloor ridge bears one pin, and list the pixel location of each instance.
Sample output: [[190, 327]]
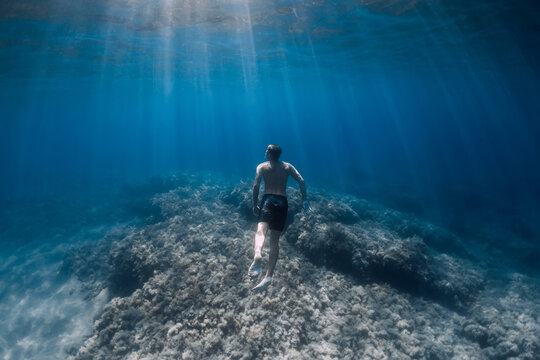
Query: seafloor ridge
[[355, 280]]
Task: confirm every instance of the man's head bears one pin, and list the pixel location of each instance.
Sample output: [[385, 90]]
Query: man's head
[[273, 152]]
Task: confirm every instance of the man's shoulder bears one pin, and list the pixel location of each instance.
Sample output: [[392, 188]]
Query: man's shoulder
[[263, 165], [287, 166]]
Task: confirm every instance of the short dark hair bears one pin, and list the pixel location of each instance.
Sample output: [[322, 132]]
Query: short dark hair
[[274, 151]]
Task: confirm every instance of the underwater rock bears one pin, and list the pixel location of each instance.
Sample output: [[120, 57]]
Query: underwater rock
[[333, 235], [346, 286], [504, 322]]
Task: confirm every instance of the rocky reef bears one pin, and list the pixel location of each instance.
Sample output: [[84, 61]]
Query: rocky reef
[[354, 280]]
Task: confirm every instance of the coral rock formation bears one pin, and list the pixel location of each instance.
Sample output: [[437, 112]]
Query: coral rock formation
[[354, 280]]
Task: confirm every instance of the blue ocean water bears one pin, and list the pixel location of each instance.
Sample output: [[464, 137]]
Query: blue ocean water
[[429, 107]]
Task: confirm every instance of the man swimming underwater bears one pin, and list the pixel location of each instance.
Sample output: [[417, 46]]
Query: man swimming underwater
[[272, 212]]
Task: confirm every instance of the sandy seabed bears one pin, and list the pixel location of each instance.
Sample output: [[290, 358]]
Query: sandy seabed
[[354, 280]]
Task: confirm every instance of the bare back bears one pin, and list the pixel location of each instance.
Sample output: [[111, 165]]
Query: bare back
[[275, 175]]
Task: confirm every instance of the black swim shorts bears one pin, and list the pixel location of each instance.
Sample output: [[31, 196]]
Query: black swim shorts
[[274, 211]]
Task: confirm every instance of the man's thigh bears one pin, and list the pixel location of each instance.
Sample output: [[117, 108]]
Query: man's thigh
[[274, 235], [262, 227]]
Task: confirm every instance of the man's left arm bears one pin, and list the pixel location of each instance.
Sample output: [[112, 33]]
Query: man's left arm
[[300, 180]]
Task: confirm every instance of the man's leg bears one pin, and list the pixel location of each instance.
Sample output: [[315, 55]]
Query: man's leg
[[274, 252], [260, 236]]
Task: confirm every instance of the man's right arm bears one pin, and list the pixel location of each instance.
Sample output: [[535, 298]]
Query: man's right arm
[[256, 186]]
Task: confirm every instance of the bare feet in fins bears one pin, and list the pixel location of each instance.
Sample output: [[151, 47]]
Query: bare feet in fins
[[263, 284]]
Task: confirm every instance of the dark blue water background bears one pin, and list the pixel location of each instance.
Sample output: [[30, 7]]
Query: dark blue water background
[[428, 106]]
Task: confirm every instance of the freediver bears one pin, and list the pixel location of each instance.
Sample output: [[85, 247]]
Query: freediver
[[272, 211]]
